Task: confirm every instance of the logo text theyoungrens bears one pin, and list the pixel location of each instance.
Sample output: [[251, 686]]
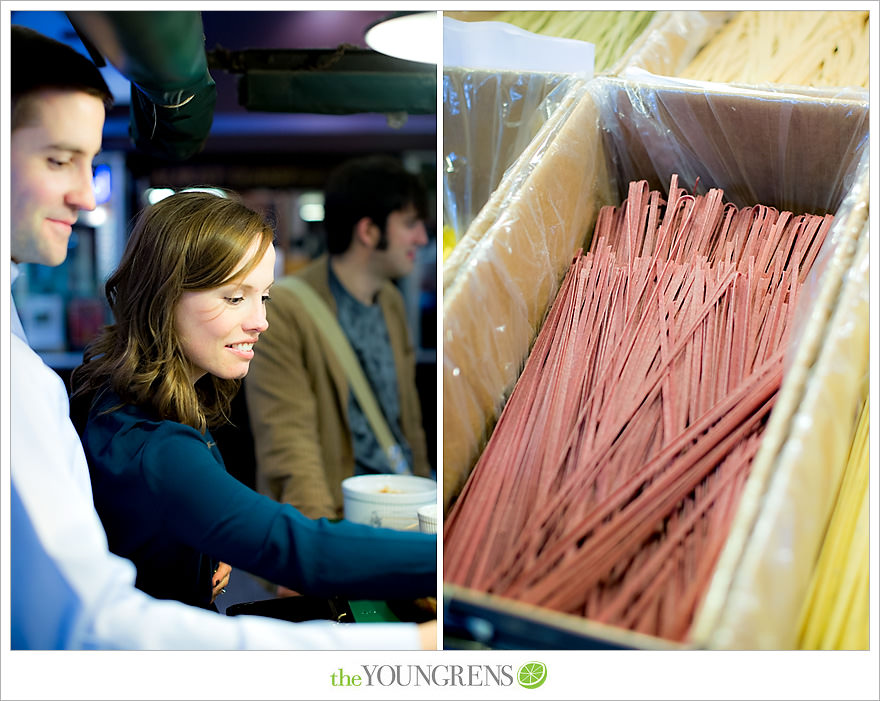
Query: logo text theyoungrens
[[425, 675]]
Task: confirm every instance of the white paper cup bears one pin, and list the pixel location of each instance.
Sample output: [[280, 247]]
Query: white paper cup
[[387, 501]]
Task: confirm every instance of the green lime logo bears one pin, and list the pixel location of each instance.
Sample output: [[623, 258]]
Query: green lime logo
[[531, 675]]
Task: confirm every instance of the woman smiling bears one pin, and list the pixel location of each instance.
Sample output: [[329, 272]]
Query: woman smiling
[[189, 304]]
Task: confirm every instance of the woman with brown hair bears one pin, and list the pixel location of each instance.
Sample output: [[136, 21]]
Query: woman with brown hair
[[188, 301]]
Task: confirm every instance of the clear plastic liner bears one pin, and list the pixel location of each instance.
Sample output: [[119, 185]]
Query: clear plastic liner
[[753, 142], [499, 87], [490, 115], [798, 151], [488, 119], [565, 99]]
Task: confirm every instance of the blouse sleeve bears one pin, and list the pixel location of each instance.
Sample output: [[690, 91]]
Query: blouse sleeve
[[213, 512]]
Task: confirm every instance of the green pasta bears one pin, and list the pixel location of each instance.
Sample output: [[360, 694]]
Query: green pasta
[[612, 32]]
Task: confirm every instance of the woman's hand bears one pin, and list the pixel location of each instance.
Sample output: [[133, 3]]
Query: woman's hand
[[220, 580], [428, 635], [282, 592]]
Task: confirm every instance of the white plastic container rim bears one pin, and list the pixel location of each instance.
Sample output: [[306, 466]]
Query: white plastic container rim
[[388, 501]]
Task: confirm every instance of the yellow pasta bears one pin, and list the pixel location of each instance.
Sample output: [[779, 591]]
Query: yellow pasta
[[449, 240], [835, 611], [788, 47]]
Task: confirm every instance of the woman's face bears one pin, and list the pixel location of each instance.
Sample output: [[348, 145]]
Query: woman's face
[[217, 328]]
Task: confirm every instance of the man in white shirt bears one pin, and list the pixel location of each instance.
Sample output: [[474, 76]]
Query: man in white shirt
[[67, 590]]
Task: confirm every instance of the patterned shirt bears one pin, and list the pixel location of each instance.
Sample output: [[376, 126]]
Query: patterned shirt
[[366, 331]]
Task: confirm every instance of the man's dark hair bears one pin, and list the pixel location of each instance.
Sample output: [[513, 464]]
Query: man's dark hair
[[374, 187], [40, 63]]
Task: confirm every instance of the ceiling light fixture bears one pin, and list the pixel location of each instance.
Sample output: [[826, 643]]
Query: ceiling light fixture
[[414, 36]]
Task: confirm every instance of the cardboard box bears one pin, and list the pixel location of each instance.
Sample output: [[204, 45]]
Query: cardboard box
[[802, 151]]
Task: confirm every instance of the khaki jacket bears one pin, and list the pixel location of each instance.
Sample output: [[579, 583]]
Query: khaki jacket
[[297, 398]]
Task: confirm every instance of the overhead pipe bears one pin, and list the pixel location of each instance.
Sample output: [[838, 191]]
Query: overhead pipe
[[173, 95]]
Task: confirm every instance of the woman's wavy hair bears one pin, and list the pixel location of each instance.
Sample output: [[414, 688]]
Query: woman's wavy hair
[[190, 241]]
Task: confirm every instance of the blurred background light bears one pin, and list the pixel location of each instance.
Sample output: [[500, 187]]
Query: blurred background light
[[311, 206], [102, 183], [95, 218]]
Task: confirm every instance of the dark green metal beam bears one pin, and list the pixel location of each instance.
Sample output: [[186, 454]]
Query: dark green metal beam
[[346, 80]]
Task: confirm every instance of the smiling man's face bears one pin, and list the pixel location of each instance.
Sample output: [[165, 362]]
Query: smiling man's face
[[51, 158]]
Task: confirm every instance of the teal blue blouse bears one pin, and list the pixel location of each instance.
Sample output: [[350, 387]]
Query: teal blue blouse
[[168, 505]]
